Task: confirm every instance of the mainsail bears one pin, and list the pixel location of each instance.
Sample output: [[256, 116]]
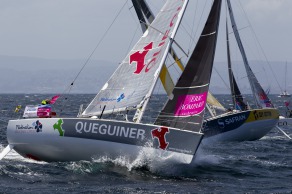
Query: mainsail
[[261, 98], [237, 98], [146, 17], [185, 109], [132, 83]]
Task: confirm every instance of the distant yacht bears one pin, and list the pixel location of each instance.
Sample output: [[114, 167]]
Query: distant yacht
[[285, 93]]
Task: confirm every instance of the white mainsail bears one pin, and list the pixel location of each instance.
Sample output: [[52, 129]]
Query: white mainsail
[[146, 17], [132, 82]]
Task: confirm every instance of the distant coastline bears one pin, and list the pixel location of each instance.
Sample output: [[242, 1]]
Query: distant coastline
[[29, 75]]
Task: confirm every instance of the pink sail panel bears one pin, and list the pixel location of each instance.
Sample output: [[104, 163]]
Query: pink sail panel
[[188, 105], [44, 112]]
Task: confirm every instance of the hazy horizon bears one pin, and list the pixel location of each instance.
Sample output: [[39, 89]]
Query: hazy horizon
[[45, 43], [51, 76]]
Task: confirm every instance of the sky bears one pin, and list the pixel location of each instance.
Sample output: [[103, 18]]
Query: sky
[[72, 29]]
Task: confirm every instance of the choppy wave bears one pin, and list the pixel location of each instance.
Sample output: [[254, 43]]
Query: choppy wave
[[263, 166]]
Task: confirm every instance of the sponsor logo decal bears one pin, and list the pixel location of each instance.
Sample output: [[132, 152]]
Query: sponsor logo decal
[[281, 124], [261, 114], [118, 99], [221, 123], [24, 127], [110, 130], [139, 58], [160, 135], [121, 97], [108, 99], [38, 126], [34, 127], [264, 98], [188, 105], [224, 123], [58, 126]]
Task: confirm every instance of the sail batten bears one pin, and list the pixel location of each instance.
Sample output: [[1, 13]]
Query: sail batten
[[176, 87]]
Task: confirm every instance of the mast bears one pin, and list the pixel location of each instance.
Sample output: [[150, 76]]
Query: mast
[[147, 97], [259, 94], [285, 77], [235, 92], [140, 15]]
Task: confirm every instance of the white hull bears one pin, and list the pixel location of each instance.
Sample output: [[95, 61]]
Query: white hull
[[284, 122], [96, 139], [242, 126]]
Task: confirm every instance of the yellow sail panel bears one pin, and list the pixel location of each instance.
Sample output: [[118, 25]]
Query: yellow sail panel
[[166, 80], [214, 102], [177, 60]]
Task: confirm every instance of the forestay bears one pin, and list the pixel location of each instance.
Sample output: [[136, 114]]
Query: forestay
[[130, 84]]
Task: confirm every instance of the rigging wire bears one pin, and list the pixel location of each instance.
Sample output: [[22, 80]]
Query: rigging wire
[[68, 89], [193, 26], [200, 20], [260, 47], [102, 38], [221, 78]]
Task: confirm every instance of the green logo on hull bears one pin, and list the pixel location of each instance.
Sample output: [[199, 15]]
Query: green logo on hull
[[58, 126]]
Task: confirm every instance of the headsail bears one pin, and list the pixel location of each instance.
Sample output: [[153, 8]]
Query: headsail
[[235, 92], [211, 100], [132, 82], [186, 109], [262, 100]]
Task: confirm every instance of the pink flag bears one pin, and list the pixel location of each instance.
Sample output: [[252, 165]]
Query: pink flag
[[54, 98], [287, 103]]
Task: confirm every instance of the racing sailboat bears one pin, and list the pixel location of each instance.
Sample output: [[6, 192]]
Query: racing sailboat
[[285, 93], [242, 124], [128, 89], [239, 125]]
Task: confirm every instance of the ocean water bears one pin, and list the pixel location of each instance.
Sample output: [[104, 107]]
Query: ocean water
[[262, 166]]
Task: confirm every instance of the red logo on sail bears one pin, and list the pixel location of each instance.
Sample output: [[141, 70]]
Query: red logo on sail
[[265, 98], [139, 58], [160, 135]]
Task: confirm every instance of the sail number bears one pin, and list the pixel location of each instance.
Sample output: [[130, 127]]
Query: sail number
[[258, 115]]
